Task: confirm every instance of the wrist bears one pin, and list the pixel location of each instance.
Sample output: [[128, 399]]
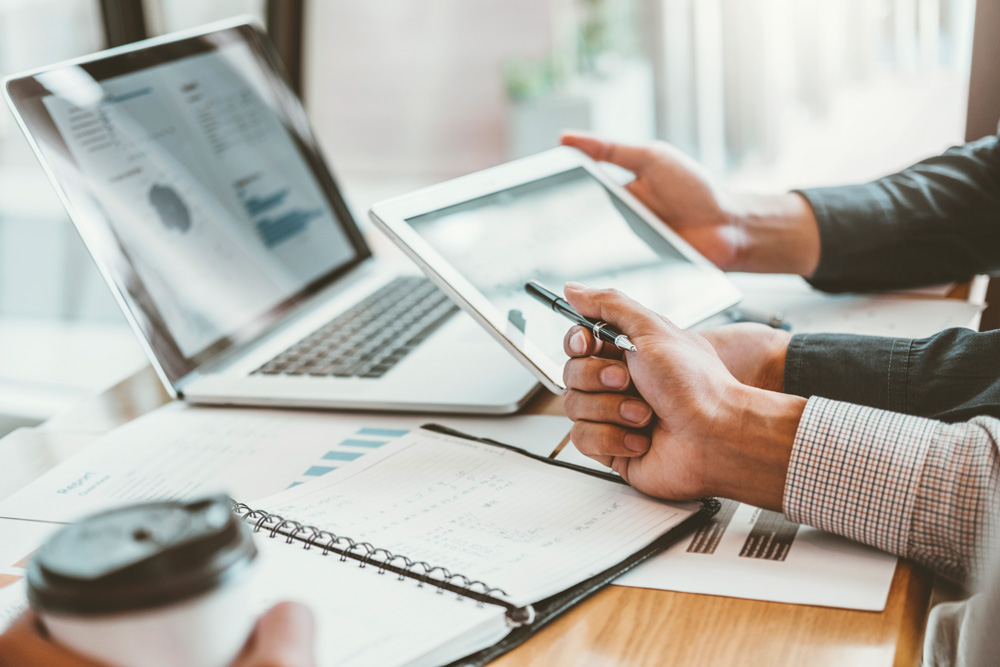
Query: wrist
[[772, 374], [778, 234], [753, 446]]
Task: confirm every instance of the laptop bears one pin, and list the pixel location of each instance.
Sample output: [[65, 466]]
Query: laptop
[[187, 165]]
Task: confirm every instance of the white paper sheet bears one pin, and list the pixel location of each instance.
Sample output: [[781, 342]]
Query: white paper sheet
[[28, 453], [18, 542], [491, 514], [180, 451], [808, 310], [778, 562], [364, 618]]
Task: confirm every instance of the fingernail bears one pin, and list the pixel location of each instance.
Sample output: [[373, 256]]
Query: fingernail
[[578, 343], [636, 443], [635, 411], [614, 377], [575, 286]]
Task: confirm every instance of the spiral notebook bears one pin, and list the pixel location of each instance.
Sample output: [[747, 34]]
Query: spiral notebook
[[449, 549]]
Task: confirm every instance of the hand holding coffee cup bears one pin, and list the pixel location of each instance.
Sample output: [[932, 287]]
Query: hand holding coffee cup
[[154, 585], [283, 637]]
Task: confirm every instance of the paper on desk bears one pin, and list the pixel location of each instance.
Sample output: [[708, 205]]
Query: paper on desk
[[18, 542], [746, 552], [529, 528], [28, 453], [180, 451], [808, 310]]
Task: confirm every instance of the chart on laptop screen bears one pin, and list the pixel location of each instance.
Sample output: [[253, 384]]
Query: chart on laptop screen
[[205, 192]]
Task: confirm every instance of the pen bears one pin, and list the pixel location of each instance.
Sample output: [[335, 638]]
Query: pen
[[776, 321], [601, 330]]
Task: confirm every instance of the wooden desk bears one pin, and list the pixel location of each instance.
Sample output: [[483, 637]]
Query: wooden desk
[[629, 626]]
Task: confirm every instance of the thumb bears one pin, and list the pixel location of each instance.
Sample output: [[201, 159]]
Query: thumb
[[629, 316], [283, 636], [633, 158]]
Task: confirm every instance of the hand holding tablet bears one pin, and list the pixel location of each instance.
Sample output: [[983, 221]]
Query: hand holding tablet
[[552, 217]]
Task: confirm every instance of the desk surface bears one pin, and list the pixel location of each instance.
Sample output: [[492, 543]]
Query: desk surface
[[620, 625]]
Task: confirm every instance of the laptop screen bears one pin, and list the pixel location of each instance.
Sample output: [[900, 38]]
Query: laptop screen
[[194, 180]]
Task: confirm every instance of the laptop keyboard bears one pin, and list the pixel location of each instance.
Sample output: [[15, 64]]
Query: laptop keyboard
[[372, 336]]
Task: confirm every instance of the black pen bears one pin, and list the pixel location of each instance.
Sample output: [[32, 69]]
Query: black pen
[[601, 330]]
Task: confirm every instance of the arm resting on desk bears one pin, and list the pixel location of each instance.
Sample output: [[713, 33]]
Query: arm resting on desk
[[936, 221], [912, 486], [952, 376]]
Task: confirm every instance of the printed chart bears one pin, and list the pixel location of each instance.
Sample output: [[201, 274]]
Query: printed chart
[[771, 534], [365, 439]]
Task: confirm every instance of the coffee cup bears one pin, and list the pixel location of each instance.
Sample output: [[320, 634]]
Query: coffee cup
[[159, 584]]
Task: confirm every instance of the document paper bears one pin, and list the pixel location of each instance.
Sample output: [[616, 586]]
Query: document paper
[[747, 552], [809, 310], [488, 513], [179, 452]]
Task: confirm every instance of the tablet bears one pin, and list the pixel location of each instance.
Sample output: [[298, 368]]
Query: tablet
[[551, 217]]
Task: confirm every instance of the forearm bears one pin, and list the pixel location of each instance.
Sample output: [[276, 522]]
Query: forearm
[[936, 221], [753, 446], [952, 376], [911, 486], [775, 234]]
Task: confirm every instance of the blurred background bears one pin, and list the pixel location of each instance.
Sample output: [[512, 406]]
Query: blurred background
[[768, 94]]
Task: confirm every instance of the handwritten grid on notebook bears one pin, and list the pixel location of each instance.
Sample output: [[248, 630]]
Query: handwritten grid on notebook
[[492, 514]]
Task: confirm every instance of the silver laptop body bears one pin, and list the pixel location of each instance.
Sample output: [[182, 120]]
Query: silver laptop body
[[189, 169]]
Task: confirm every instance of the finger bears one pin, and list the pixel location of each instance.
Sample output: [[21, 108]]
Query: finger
[[620, 465], [580, 342], [283, 637], [602, 440], [633, 158], [621, 409], [24, 643], [605, 461], [629, 316], [596, 374], [26, 623]]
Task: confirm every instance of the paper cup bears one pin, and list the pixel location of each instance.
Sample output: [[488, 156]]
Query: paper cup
[[154, 585]]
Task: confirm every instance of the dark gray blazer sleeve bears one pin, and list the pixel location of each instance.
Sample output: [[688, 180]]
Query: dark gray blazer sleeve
[[937, 221], [951, 376]]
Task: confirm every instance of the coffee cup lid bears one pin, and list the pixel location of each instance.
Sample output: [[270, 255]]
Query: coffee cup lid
[[140, 557]]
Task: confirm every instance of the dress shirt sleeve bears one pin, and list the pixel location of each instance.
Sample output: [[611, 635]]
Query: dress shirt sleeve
[[953, 375], [936, 221], [915, 487]]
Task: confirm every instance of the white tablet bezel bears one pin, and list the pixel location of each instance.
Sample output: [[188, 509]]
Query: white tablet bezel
[[391, 217]]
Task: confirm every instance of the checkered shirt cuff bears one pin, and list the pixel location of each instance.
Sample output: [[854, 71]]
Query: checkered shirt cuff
[[912, 486], [842, 477]]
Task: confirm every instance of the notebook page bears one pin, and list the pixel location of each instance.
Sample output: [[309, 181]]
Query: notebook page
[[364, 618], [178, 452], [488, 513]]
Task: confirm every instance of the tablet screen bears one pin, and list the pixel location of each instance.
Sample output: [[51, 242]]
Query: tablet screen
[[563, 227]]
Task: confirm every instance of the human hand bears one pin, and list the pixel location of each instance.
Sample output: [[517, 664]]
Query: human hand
[[678, 190], [283, 637], [735, 231], [702, 431], [25, 645], [753, 353]]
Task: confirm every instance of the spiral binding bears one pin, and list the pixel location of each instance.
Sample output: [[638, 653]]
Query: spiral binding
[[386, 561]]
